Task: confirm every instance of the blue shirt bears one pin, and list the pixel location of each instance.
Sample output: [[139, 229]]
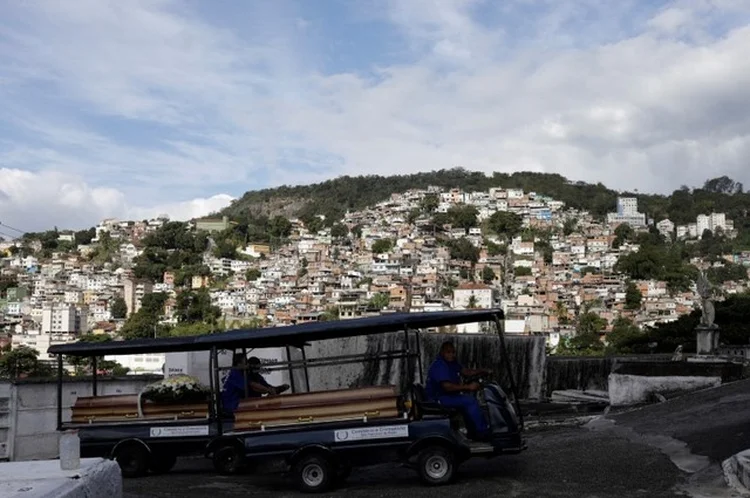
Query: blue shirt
[[234, 388], [442, 371]]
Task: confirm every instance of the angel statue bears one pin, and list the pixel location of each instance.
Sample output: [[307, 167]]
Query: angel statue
[[706, 292]]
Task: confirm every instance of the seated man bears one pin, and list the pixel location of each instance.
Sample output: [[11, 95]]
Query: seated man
[[233, 389], [444, 386], [257, 385]]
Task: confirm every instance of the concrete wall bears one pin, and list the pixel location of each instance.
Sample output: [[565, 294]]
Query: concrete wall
[[33, 427], [626, 390]]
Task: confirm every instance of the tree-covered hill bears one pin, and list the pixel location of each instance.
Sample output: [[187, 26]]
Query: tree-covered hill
[[334, 197]]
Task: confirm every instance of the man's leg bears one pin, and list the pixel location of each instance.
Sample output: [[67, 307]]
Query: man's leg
[[471, 410]]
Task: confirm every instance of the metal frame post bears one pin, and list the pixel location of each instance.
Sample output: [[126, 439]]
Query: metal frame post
[[417, 334], [59, 391], [504, 352], [217, 391], [94, 374], [307, 371]]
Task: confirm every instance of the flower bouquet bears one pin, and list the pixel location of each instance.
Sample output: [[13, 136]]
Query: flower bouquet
[[176, 389]]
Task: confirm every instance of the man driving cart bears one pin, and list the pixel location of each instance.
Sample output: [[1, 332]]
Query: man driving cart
[[444, 385]]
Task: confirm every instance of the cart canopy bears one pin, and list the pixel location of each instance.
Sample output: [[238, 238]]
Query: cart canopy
[[292, 335]]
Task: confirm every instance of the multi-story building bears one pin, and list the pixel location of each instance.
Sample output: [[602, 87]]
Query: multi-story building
[[63, 319], [627, 212]]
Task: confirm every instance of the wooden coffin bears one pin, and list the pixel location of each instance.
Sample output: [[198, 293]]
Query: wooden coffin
[[153, 410], [124, 408], [105, 408], [311, 408]]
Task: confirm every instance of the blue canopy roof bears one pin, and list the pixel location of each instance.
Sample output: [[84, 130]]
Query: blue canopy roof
[[293, 335]]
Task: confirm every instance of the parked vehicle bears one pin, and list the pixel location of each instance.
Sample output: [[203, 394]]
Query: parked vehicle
[[319, 435]]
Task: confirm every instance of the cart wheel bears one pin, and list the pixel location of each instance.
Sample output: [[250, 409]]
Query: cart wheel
[[228, 460], [133, 460], [314, 474], [161, 463], [436, 466]]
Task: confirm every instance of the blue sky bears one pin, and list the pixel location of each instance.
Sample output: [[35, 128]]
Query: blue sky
[[132, 109]]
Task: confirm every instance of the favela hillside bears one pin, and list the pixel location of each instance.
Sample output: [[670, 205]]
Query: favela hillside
[[595, 271]]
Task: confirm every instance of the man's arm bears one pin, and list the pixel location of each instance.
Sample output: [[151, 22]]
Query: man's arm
[[261, 388], [468, 372], [443, 376], [452, 387]]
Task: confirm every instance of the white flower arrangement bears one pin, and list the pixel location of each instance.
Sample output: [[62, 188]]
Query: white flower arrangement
[[176, 389]]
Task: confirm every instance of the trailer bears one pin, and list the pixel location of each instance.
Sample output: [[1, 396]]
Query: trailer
[[320, 436]]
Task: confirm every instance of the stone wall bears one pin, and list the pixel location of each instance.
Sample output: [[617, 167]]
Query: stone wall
[[33, 430]]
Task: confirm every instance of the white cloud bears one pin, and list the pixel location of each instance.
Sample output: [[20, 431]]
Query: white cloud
[[151, 104], [37, 201]]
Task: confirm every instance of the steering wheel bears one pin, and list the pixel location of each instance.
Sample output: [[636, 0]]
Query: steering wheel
[[479, 378]]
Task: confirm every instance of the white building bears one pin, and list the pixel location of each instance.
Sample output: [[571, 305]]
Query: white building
[[483, 296], [627, 212], [62, 319]]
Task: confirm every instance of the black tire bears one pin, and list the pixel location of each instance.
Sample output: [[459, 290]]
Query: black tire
[[314, 473], [228, 460], [162, 462], [133, 460], [436, 466]]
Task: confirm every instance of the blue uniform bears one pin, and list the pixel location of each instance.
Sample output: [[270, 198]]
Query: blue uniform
[[442, 371], [234, 389]]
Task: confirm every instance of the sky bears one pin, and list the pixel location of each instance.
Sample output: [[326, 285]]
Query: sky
[[132, 109]]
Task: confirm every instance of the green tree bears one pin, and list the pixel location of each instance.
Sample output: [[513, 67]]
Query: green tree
[[488, 275], [570, 226], [252, 274], [280, 227], [22, 361], [633, 296], [429, 203], [463, 216], [623, 334], [522, 271], [84, 237], [195, 306], [623, 233], [339, 231], [380, 300], [462, 249], [505, 223], [145, 323], [382, 245], [118, 308]]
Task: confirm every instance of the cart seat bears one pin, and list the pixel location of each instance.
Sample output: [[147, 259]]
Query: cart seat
[[429, 407]]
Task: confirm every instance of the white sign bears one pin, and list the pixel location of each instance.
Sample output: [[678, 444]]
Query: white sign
[[364, 433], [183, 431]]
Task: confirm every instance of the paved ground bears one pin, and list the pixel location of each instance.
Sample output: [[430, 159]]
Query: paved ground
[[666, 450]]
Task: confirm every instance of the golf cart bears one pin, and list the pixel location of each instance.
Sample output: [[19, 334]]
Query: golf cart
[[320, 435]]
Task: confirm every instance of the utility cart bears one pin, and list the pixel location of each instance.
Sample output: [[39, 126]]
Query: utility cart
[[320, 436]]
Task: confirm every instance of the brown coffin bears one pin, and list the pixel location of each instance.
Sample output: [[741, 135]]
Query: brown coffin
[[320, 398], [311, 408], [105, 408], [124, 407], [153, 410]]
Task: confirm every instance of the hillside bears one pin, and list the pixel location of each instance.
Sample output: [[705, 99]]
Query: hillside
[[334, 197]]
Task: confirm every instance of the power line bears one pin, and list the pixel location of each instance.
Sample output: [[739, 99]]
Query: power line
[[11, 228]]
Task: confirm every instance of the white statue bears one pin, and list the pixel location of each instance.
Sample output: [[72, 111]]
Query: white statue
[[706, 292]]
